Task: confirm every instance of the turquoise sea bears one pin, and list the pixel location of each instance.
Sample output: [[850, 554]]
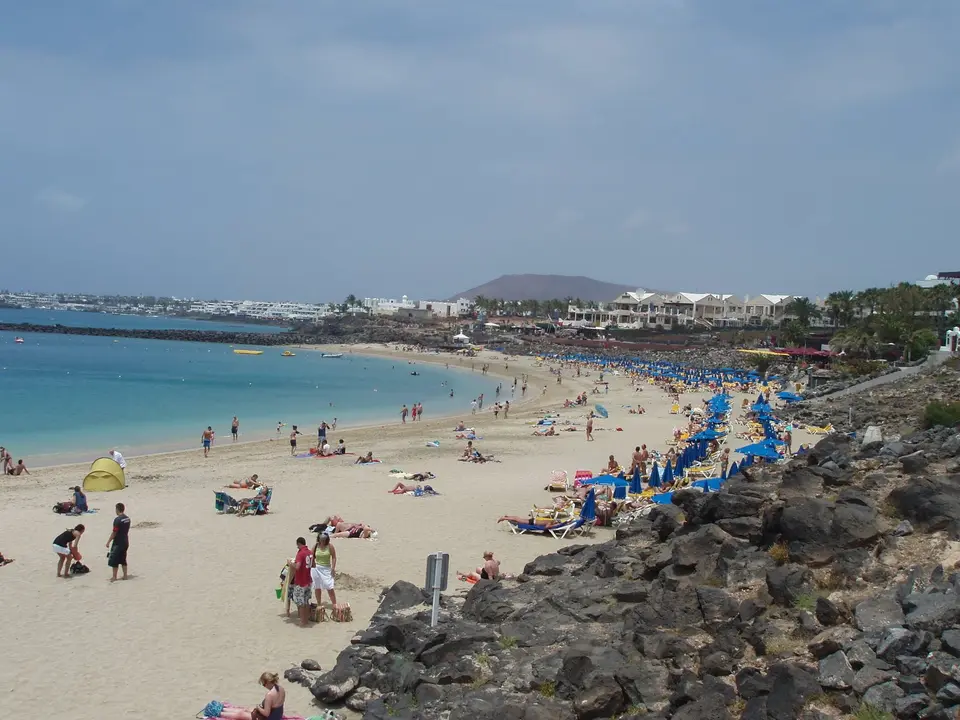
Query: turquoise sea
[[68, 398]]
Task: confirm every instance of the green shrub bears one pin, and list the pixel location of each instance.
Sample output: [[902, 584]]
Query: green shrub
[[805, 602], [869, 712], [940, 413], [779, 553]]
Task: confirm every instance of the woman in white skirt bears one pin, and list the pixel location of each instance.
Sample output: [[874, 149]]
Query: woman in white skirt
[[324, 568]]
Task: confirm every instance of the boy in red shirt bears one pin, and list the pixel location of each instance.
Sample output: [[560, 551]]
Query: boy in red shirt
[[301, 591]]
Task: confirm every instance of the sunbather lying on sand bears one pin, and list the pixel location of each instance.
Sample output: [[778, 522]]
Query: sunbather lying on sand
[[549, 432], [252, 482], [418, 489], [364, 459], [5, 560], [529, 520], [353, 530]]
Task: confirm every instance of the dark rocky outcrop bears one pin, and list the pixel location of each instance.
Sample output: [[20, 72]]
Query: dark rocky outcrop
[[715, 607]]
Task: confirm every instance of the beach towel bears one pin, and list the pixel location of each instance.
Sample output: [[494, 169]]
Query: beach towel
[[372, 462], [285, 716], [433, 444]]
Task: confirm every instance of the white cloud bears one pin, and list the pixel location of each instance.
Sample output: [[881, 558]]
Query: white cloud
[[60, 200]]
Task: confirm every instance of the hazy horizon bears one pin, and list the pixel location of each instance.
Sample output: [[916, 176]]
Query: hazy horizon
[[307, 151]]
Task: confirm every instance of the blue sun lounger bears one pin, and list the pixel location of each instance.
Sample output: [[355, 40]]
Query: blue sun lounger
[[223, 503]]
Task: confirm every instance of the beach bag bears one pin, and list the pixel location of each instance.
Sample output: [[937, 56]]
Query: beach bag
[[213, 709], [79, 569]]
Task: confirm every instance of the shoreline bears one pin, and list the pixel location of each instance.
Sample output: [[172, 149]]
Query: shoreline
[[366, 351], [197, 575]]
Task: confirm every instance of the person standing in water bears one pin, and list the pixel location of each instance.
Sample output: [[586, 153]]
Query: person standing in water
[[119, 542], [207, 439], [235, 428]]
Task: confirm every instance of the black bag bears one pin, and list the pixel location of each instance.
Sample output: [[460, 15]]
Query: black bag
[[79, 568]]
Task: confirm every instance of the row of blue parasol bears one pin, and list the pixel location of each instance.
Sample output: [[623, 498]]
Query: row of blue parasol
[[697, 449]]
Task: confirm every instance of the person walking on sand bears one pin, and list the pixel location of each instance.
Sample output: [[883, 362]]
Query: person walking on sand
[[506, 409], [419, 411], [207, 440], [302, 581], [413, 412], [235, 428], [590, 427], [65, 546], [473, 407], [293, 440], [119, 542], [403, 414], [322, 434], [324, 569], [6, 461], [644, 458]]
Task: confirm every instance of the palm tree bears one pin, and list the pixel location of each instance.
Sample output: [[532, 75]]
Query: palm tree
[[940, 299], [869, 299], [480, 302], [794, 332], [854, 341], [803, 309], [919, 343], [840, 306]]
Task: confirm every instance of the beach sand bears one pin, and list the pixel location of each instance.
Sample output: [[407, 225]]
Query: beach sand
[[199, 619]]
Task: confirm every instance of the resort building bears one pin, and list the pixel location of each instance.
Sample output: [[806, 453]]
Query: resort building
[[651, 309]]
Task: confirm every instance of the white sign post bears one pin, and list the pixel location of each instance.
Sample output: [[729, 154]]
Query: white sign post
[[438, 567]]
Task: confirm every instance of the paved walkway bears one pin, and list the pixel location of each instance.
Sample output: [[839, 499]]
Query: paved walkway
[[932, 361]]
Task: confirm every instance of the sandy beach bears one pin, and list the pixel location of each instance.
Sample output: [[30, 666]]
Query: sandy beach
[[199, 619]]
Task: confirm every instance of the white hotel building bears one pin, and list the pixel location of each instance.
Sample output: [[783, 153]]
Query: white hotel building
[[646, 309]]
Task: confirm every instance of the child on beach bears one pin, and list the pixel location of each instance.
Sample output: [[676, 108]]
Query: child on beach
[[293, 440]]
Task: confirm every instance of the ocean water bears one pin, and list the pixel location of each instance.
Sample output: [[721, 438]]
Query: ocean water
[[68, 398], [71, 318]]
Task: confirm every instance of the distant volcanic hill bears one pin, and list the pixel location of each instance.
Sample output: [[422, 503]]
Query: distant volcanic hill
[[546, 287]]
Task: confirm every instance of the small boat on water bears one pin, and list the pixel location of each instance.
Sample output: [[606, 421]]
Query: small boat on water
[[332, 355], [18, 340], [248, 352], [287, 353]]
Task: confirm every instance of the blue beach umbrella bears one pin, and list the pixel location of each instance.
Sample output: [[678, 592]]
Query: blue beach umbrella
[[588, 511], [734, 470], [601, 411], [759, 450], [636, 482], [654, 479], [667, 477]]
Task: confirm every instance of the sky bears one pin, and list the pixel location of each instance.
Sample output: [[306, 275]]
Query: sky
[[310, 149]]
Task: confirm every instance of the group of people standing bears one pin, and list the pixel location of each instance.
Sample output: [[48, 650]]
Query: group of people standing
[[415, 412], [66, 546]]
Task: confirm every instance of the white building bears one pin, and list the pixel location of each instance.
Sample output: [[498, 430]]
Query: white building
[[647, 309]]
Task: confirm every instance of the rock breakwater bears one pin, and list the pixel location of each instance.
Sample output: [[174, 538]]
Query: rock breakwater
[[808, 590]]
